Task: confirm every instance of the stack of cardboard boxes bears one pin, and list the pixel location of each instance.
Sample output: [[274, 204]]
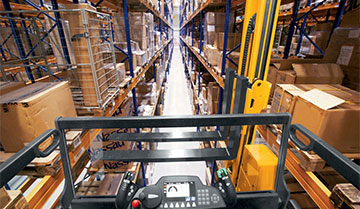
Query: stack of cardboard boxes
[[29, 111], [303, 71], [214, 40], [310, 89], [213, 97], [88, 55], [329, 111], [142, 33], [344, 49]]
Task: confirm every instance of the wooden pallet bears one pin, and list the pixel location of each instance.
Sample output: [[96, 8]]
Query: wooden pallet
[[15, 200], [39, 167], [312, 162], [73, 139], [108, 186], [345, 196]]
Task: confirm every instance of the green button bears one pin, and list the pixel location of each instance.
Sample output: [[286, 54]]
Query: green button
[[221, 173]]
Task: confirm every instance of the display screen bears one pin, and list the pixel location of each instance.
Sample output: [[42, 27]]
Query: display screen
[[180, 189]]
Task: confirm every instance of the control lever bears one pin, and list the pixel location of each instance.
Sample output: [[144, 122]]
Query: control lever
[[226, 187], [126, 191]]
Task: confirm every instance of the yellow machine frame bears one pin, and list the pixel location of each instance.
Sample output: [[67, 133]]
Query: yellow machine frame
[[257, 51]]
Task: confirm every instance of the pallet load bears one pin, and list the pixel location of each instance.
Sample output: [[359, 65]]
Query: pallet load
[[344, 49], [214, 24], [29, 111], [329, 111], [304, 71], [89, 54], [141, 33], [213, 97], [212, 54]]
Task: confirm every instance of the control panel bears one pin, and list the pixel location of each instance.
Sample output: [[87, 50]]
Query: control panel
[[178, 192]]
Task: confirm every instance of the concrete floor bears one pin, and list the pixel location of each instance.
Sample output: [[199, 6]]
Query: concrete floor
[[177, 102]]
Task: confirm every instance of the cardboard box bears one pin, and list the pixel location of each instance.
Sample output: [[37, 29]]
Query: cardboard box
[[285, 94], [213, 91], [233, 40], [212, 54], [344, 47], [29, 111], [320, 38], [285, 77], [311, 74], [318, 73], [213, 97], [332, 114], [284, 97], [101, 144], [271, 77], [213, 107], [324, 26], [211, 38], [8, 86], [287, 64], [140, 58], [351, 19]]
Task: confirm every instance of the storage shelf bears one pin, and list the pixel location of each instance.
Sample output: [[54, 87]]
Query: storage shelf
[[206, 4], [134, 5], [302, 11], [210, 69], [43, 191]]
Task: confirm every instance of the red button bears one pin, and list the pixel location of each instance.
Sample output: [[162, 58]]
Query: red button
[[135, 203]]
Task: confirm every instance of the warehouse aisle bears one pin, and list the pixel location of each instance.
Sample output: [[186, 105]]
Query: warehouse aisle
[[177, 102]]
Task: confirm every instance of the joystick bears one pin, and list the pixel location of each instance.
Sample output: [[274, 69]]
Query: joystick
[[226, 187], [126, 191]]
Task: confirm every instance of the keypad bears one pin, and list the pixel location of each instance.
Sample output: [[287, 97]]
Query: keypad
[[203, 197]]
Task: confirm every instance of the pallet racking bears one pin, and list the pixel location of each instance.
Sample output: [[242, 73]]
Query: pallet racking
[[300, 17], [297, 18], [18, 16]]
